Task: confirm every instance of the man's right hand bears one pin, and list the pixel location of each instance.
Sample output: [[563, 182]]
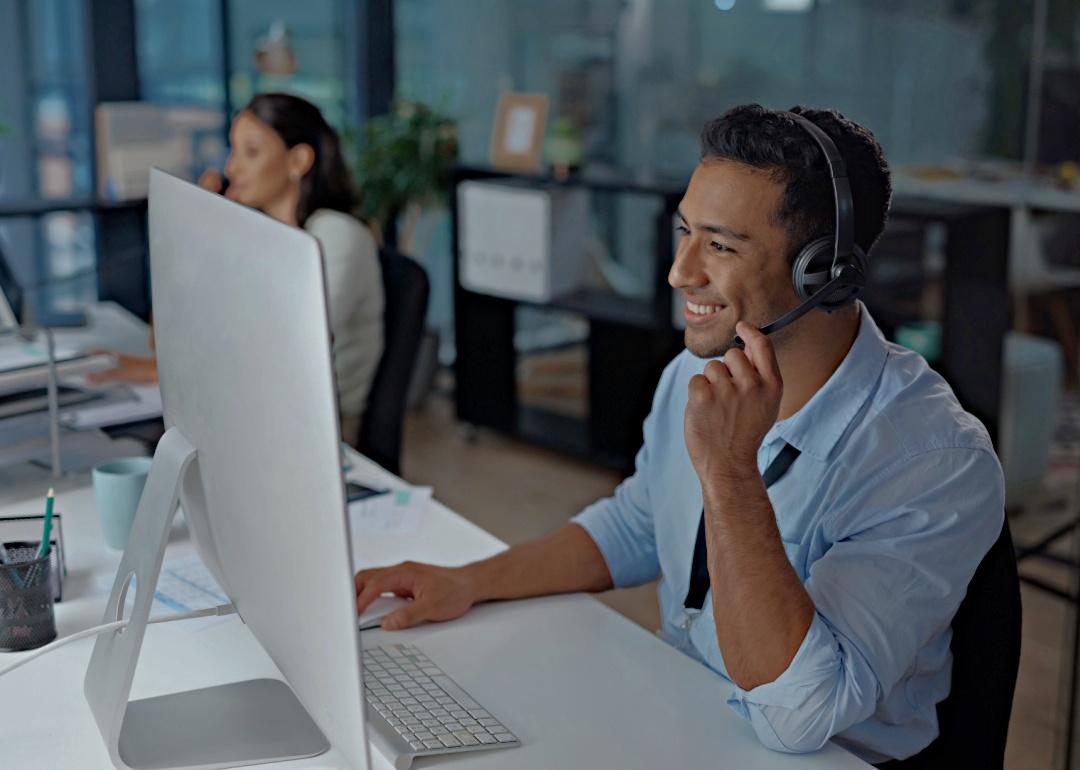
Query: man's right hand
[[438, 593]]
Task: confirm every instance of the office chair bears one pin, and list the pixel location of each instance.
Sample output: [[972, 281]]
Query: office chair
[[974, 718], [406, 287]]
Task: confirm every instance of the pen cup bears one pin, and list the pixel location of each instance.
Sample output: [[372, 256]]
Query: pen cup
[[26, 598]]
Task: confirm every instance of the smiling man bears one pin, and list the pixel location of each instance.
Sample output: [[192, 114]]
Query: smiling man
[[814, 504]]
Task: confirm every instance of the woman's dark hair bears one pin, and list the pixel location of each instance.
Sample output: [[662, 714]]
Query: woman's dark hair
[[773, 142], [326, 185]]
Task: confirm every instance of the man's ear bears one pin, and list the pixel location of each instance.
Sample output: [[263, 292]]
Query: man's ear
[[300, 159]]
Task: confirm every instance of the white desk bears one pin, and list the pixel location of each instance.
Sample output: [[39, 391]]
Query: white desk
[[579, 684]]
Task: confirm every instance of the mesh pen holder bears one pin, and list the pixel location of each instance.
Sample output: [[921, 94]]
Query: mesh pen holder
[[26, 598]]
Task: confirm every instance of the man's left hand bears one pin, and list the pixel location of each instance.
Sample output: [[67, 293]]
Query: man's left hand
[[731, 407]]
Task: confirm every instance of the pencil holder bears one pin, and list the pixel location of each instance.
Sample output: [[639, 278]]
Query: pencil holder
[[26, 598]]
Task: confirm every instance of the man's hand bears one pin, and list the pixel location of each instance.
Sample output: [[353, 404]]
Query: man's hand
[[731, 407], [438, 593]]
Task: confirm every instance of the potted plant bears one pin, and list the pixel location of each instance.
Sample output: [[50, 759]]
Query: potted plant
[[402, 166]]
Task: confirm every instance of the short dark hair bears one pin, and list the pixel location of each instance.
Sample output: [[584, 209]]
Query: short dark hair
[[297, 121], [773, 142]]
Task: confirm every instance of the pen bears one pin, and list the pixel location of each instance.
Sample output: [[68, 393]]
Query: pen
[[44, 548]]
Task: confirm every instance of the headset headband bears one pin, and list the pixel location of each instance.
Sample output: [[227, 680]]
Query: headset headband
[[845, 211]]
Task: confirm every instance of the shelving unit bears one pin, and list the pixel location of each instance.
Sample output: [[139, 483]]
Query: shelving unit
[[630, 340]]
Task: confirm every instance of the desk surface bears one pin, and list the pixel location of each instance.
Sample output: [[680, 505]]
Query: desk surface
[[578, 683]]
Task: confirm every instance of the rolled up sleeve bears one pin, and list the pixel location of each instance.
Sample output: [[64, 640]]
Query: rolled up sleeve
[[623, 529], [882, 592], [623, 526]]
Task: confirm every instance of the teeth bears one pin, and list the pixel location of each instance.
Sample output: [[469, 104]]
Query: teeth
[[702, 309]]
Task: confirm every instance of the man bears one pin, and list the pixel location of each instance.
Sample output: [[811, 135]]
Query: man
[[831, 583]]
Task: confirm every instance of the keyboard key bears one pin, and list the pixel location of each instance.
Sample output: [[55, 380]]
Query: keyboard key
[[455, 692], [476, 729], [505, 738], [490, 722], [466, 739], [449, 741], [434, 743], [486, 739]]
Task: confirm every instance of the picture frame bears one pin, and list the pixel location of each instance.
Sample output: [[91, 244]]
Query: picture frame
[[518, 135]]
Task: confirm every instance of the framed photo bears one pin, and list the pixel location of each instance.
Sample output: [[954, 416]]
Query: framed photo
[[518, 136]]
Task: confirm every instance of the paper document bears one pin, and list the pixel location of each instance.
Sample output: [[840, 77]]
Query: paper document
[[145, 404], [401, 512], [19, 355], [185, 584]]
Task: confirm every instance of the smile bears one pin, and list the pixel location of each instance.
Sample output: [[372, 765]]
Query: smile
[[702, 309]]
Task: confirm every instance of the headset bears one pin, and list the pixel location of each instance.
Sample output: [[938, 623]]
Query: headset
[[829, 272]]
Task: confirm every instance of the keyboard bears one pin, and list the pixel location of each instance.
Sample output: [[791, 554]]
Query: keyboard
[[416, 710]]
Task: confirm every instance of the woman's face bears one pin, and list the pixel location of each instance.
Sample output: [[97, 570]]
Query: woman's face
[[258, 168]]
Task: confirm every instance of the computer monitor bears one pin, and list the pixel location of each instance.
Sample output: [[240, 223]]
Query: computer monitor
[[243, 350]]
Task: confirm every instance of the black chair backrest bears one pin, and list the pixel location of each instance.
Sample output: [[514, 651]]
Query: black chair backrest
[[406, 287], [974, 718]]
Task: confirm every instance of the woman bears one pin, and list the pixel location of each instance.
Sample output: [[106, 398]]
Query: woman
[[286, 162]]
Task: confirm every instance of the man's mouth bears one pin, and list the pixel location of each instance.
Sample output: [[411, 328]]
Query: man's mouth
[[702, 309]]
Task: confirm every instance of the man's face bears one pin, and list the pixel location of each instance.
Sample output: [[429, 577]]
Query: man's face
[[731, 262]]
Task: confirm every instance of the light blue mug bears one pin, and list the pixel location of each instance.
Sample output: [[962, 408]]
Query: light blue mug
[[118, 485]]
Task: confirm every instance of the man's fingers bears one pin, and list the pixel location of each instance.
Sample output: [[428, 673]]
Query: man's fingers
[[717, 373], [404, 617], [364, 575], [370, 592], [741, 367], [760, 352]]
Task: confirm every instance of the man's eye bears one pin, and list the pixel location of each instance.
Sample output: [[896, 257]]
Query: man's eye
[[682, 229], [719, 247]]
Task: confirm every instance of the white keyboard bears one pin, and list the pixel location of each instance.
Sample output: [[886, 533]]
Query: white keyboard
[[416, 710]]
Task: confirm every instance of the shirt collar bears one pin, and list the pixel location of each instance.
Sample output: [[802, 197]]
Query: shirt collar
[[817, 427]]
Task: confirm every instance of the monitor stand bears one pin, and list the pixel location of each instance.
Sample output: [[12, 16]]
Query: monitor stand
[[230, 725]]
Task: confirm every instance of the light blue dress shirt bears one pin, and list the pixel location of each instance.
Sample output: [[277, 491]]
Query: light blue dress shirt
[[885, 515]]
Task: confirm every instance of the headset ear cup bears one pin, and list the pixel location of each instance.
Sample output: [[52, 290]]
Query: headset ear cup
[[810, 270]]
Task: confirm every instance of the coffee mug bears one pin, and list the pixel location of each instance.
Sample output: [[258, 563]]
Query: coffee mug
[[118, 485]]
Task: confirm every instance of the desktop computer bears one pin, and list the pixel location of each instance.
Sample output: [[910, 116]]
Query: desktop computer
[[252, 453]]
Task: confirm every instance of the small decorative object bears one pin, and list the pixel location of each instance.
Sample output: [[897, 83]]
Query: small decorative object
[[564, 150], [274, 53], [1067, 175], [518, 136], [403, 165]]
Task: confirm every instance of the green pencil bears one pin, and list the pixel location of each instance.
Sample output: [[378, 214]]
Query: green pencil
[[44, 548]]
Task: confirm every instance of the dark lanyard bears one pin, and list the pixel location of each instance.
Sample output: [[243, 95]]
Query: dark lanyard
[[699, 570]]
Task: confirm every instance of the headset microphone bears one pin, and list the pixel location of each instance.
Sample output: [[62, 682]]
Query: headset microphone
[[828, 272]]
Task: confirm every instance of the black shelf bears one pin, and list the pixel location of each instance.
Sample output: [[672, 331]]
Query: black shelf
[[630, 339]]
